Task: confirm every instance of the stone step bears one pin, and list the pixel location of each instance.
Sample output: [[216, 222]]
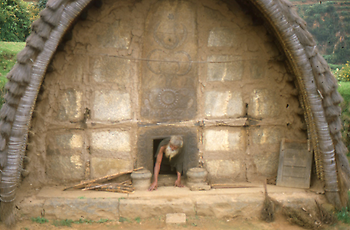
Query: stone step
[[53, 203]]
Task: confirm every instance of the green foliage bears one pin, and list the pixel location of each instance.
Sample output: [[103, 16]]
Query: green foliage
[[328, 29], [41, 4], [343, 74], [40, 220], [344, 215], [66, 222], [138, 219], [123, 219], [344, 90], [8, 53], [83, 221], [100, 221], [16, 17]]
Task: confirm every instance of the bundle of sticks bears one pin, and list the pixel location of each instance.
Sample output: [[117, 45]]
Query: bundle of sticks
[[123, 187], [105, 184]]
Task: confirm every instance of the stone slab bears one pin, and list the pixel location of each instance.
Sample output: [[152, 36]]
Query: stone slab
[[226, 206], [175, 218], [81, 208], [156, 207]]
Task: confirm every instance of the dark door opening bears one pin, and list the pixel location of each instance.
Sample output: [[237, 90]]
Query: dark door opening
[[165, 167]]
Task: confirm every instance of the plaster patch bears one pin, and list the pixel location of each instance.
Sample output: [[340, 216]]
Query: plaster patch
[[222, 36], [216, 140], [266, 135], [70, 105], [106, 166], [62, 167], [69, 141], [226, 103], [264, 103], [111, 70], [111, 140], [223, 168], [224, 68], [111, 105]]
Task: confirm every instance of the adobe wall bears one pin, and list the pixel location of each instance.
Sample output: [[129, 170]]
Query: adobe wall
[[134, 71]]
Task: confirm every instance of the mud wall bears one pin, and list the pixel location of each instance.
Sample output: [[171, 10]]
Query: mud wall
[[133, 71]]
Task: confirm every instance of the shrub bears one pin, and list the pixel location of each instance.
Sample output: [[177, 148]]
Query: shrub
[[343, 74], [16, 17]]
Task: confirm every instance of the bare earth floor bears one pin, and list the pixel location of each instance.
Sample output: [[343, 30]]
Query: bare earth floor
[[193, 223], [237, 208]]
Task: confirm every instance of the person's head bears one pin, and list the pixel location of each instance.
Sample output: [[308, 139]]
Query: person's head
[[176, 142]]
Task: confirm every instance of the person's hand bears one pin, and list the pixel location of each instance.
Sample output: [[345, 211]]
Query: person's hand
[[178, 184], [153, 186]]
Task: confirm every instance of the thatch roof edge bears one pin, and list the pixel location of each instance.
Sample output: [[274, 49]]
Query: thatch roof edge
[[41, 45]]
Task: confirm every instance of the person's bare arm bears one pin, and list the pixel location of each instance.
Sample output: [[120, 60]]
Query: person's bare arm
[[178, 181], [154, 185]]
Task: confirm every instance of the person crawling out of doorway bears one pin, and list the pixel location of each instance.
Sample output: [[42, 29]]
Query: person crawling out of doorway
[[171, 148]]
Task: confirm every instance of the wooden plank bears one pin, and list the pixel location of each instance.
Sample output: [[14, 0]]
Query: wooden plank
[[226, 122], [297, 172], [294, 168]]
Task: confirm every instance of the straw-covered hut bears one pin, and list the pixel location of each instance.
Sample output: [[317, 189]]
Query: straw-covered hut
[[101, 82]]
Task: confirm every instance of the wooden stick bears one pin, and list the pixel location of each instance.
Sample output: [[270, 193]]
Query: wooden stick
[[100, 180], [95, 186], [232, 186]]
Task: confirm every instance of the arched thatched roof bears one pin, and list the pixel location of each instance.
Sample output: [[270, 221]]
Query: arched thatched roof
[[317, 85]]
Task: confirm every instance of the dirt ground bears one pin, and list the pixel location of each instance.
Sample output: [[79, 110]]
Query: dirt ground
[[195, 223]]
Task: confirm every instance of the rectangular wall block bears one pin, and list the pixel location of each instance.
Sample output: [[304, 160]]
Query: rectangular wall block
[[106, 166], [266, 135], [111, 105], [226, 103], [264, 103], [111, 70], [224, 169], [114, 35], [70, 105], [65, 160], [257, 69], [222, 36], [65, 167], [216, 140], [224, 140], [111, 140], [224, 68]]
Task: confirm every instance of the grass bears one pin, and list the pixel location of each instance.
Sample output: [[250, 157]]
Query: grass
[[123, 219], [344, 90], [66, 222], [138, 219], [344, 214], [100, 221], [40, 220], [8, 53]]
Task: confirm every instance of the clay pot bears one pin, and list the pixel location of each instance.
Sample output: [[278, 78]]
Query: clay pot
[[141, 179], [196, 176]]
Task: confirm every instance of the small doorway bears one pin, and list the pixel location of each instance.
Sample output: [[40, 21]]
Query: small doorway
[[165, 167]]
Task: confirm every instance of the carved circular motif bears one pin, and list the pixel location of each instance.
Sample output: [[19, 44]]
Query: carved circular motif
[[168, 98]]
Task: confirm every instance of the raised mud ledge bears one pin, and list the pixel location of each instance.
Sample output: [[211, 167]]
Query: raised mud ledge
[[53, 203]]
